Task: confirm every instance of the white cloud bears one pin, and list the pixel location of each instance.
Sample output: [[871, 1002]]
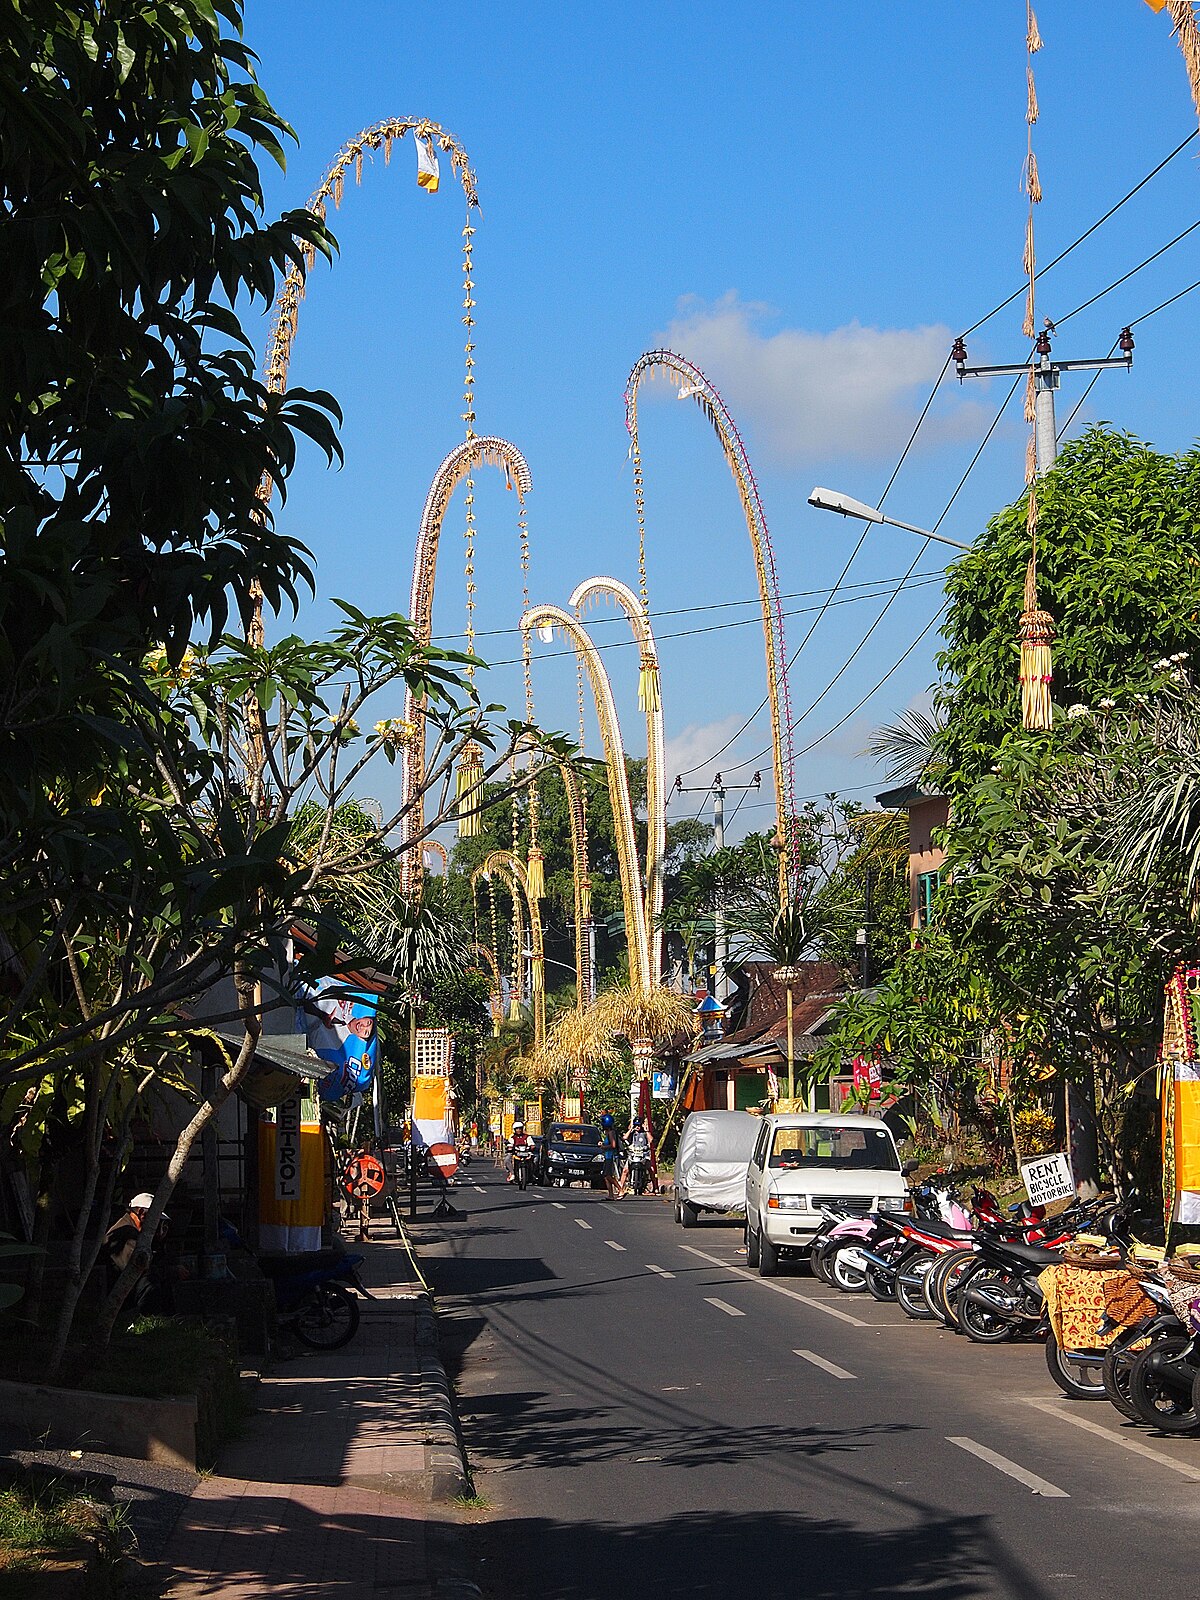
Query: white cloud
[[695, 745], [854, 391]]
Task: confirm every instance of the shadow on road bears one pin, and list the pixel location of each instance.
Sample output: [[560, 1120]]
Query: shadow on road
[[710, 1555]]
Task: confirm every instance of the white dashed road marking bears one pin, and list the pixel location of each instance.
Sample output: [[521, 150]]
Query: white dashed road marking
[[613, 1245], [723, 1305], [662, 1271], [1001, 1463], [479, 1189], [558, 1205], [580, 1223], [826, 1366], [1185, 1471], [778, 1288]]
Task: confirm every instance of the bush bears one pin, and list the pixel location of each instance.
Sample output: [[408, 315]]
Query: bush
[[1036, 1133]]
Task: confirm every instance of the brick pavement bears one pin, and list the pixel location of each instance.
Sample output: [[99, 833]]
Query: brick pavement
[[326, 1494]]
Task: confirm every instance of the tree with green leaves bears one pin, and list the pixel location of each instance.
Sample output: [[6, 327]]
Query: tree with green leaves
[[1038, 959]]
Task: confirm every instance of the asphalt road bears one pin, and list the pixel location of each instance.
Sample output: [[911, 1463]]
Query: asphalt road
[[646, 1417]]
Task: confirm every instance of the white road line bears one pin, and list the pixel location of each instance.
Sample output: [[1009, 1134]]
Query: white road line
[[479, 1189], [613, 1245], [580, 1223], [825, 1366], [1181, 1467], [723, 1305], [662, 1271], [779, 1288], [558, 1205], [1002, 1464]]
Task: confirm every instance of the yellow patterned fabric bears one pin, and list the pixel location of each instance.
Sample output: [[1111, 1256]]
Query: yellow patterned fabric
[[1079, 1299]]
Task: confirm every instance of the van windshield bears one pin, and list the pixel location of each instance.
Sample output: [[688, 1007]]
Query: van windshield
[[834, 1149]]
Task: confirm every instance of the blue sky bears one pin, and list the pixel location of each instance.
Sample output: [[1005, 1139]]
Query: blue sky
[[809, 201]]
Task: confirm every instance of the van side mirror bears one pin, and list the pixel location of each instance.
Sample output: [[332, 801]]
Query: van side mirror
[[909, 1168]]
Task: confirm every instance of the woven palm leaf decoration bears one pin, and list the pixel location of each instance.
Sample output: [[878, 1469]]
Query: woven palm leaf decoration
[[1037, 625]]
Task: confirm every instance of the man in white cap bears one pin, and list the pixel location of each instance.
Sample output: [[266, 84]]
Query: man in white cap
[[121, 1240]]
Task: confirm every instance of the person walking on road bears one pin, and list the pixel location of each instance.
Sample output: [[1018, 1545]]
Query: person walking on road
[[608, 1137]]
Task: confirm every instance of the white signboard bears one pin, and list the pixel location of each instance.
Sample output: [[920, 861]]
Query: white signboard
[[662, 1085], [287, 1150], [1047, 1179]]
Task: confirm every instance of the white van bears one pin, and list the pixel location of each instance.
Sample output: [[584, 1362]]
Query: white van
[[800, 1163], [710, 1169]]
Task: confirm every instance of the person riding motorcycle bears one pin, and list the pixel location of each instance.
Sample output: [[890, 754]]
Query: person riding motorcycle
[[520, 1147], [637, 1149]]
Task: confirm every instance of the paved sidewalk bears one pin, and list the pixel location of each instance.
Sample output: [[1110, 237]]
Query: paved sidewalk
[[329, 1491]]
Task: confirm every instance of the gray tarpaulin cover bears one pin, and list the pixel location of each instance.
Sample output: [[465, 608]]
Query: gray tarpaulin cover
[[714, 1152]]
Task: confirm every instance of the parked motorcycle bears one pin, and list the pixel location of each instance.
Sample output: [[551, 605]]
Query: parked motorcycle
[[315, 1305]]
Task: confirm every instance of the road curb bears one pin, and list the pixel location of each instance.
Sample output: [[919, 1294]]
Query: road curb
[[446, 1470]]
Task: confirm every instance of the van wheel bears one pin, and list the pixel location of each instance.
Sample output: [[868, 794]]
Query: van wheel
[[768, 1257], [687, 1213], [678, 1212], [752, 1247]]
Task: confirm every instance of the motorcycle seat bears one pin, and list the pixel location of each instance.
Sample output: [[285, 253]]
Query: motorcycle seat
[[1035, 1255]]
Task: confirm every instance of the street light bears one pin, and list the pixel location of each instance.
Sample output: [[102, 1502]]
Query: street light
[[845, 506]]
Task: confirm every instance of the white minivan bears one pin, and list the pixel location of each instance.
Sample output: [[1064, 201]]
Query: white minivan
[[802, 1162], [710, 1168]]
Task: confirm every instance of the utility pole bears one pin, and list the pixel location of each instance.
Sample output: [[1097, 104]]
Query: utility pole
[[1045, 382], [1079, 1099], [719, 955]]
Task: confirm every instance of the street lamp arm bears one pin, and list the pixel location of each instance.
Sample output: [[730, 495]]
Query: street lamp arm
[[846, 506]]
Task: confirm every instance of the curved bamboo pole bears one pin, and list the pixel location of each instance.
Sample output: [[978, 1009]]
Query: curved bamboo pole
[[581, 877], [518, 980], [512, 868], [381, 134], [461, 461], [656, 793], [496, 988], [618, 785], [693, 385]]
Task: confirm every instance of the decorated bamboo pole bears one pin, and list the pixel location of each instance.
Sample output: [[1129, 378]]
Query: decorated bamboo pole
[[1037, 625], [510, 867], [693, 385], [656, 795], [456, 468], [546, 616]]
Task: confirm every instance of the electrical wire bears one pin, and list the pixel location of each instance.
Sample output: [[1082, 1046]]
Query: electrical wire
[[1153, 173], [920, 553], [841, 576], [923, 580], [618, 619], [1126, 276]]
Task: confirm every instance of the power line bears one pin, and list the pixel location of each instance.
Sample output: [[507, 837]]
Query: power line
[[722, 627], [619, 618], [1153, 173], [1126, 276], [841, 576]]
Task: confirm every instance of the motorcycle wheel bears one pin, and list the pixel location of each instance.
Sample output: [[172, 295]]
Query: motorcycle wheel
[[817, 1265], [1118, 1364], [328, 1319], [1082, 1381], [911, 1298], [881, 1282], [954, 1261], [981, 1325], [522, 1175], [1157, 1401], [845, 1277], [956, 1277], [752, 1247], [639, 1181]]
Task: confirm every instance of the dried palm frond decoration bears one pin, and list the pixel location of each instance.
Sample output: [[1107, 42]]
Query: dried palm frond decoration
[[468, 789], [636, 1013], [1183, 15], [1037, 625]]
